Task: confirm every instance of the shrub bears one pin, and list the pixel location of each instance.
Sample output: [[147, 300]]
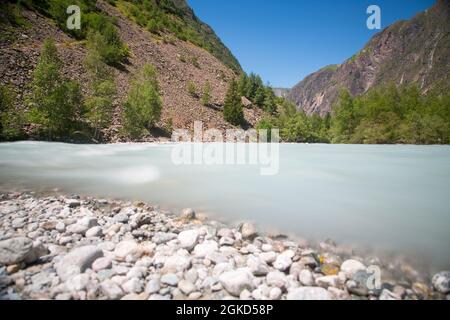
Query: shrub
[[206, 96], [192, 89]]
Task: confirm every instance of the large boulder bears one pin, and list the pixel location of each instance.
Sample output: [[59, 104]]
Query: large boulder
[[19, 249]]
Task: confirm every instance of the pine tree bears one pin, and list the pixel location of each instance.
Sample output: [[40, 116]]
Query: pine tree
[[144, 104], [243, 85], [260, 96], [269, 104], [233, 110], [206, 97], [55, 102]]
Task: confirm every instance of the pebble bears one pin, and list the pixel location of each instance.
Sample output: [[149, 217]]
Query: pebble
[[102, 264], [236, 281], [205, 248], [248, 231], [306, 277], [132, 252], [186, 287], [276, 279], [111, 290], [308, 293], [170, 279], [125, 248], [153, 286], [350, 267], [188, 214], [188, 239], [78, 282]]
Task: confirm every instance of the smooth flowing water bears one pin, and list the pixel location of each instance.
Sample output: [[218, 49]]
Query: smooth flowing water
[[390, 197]]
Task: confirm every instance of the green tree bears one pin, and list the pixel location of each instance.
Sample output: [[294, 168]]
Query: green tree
[[260, 97], [55, 101], [143, 106], [269, 105], [99, 103], [345, 118], [233, 110], [206, 96], [243, 85]]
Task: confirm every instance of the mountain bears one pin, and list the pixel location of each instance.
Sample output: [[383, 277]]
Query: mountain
[[164, 33], [416, 51], [281, 92]]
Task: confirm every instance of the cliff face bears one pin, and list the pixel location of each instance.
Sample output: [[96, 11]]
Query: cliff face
[[20, 47], [408, 52]]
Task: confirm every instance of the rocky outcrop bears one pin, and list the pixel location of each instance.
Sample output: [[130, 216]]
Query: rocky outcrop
[[407, 52]]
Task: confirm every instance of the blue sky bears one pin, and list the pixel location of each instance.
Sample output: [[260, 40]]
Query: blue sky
[[285, 40]]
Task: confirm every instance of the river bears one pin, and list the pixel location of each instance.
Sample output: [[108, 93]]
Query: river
[[394, 198]]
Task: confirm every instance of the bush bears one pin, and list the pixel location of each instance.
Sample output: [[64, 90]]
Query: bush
[[144, 104], [55, 101], [192, 89], [206, 96], [233, 109], [109, 44]]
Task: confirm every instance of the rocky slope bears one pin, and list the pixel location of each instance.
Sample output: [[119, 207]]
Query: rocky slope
[[407, 52], [20, 48], [59, 247]]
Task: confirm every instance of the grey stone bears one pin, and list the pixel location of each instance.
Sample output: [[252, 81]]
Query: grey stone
[[236, 281], [350, 267], [441, 282], [153, 286], [102, 264], [188, 239], [111, 290], [276, 279], [248, 231], [77, 261], [188, 214], [205, 248], [15, 250], [170, 279], [308, 293]]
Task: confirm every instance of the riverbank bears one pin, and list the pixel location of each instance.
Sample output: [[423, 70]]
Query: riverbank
[[67, 247]]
